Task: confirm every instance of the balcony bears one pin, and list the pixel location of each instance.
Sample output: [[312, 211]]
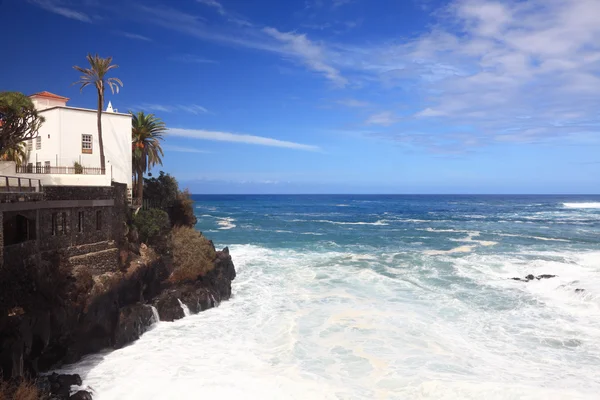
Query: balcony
[[16, 189], [38, 169]]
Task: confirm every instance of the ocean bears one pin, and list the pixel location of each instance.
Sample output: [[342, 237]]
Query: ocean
[[383, 297]]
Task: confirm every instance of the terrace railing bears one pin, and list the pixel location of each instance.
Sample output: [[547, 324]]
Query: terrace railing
[[15, 188], [43, 169]]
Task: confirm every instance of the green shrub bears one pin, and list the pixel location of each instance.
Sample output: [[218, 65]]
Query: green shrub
[[181, 212], [78, 168], [152, 225], [162, 191], [193, 254]]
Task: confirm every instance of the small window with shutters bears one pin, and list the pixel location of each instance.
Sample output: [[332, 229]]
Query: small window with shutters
[[86, 144]]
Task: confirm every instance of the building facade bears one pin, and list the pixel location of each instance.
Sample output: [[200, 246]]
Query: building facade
[[66, 151]]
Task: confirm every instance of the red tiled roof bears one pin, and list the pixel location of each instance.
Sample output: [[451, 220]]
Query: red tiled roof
[[49, 95]]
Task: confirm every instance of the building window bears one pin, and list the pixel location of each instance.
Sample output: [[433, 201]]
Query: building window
[[38, 167], [38, 143], [47, 167], [64, 223], [29, 145], [30, 168], [86, 144], [98, 220], [80, 222], [54, 224]]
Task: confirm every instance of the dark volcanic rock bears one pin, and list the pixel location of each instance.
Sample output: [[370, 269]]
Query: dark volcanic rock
[[134, 320], [81, 395], [545, 276], [168, 306], [60, 385], [579, 290], [531, 277], [94, 312]]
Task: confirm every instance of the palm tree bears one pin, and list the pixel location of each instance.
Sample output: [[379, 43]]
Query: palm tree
[[96, 75], [146, 134], [16, 153]]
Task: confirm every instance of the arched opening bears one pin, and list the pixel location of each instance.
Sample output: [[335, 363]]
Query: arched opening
[[18, 229]]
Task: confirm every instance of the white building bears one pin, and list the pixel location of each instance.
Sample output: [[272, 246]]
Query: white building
[[66, 151]]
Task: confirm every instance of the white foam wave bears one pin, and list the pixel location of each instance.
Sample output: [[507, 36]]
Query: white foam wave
[[353, 325], [377, 223], [533, 237], [226, 223], [342, 205], [582, 205]]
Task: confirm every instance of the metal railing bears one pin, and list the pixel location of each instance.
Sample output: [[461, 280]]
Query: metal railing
[[46, 169], [16, 184]]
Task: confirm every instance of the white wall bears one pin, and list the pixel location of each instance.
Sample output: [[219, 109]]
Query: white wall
[[61, 142], [8, 168], [41, 103]]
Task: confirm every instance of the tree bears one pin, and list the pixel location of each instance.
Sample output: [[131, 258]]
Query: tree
[[17, 153], [161, 191], [146, 135], [19, 120], [96, 75]]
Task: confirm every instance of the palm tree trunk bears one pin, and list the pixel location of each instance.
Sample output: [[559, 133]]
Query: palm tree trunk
[[100, 138], [140, 185]]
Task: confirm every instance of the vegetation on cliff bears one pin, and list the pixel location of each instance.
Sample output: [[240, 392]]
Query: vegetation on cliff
[[193, 254], [19, 121]]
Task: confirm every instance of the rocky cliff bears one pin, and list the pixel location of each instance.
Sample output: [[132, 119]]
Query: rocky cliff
[[67, 312]]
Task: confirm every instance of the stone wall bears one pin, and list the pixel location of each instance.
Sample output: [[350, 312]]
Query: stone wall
[[70, 230]]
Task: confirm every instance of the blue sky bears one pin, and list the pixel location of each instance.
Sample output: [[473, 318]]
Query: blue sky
[[338, 96]]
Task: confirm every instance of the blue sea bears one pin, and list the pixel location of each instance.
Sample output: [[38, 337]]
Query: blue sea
[[384, 297]]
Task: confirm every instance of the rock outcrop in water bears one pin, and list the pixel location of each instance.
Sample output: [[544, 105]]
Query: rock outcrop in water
[[90, 313], [531, 277]]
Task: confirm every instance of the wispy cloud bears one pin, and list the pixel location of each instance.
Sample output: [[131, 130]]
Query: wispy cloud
[[287, 44], [309, 53], [339, 3], [239, 138], [153, 107], [385, 118], [182, 149], [58, 7], [194, 109], [135, 36], [232, 17], [191, 58], [214, 4], [353, 103]]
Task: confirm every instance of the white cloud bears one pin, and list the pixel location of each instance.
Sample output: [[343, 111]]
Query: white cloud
[[57, 7], [310, 53], [194, 109], [190, 58], [239, 138], [487, 64], [182, 149], [385, 118], [339, 3], [135, 36], [214, 4], [353, 103]]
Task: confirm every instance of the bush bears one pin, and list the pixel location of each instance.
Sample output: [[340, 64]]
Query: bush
[[23, 390], [161, 192], [181, 211], [193, 254], [78, 168], [152, 225]]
